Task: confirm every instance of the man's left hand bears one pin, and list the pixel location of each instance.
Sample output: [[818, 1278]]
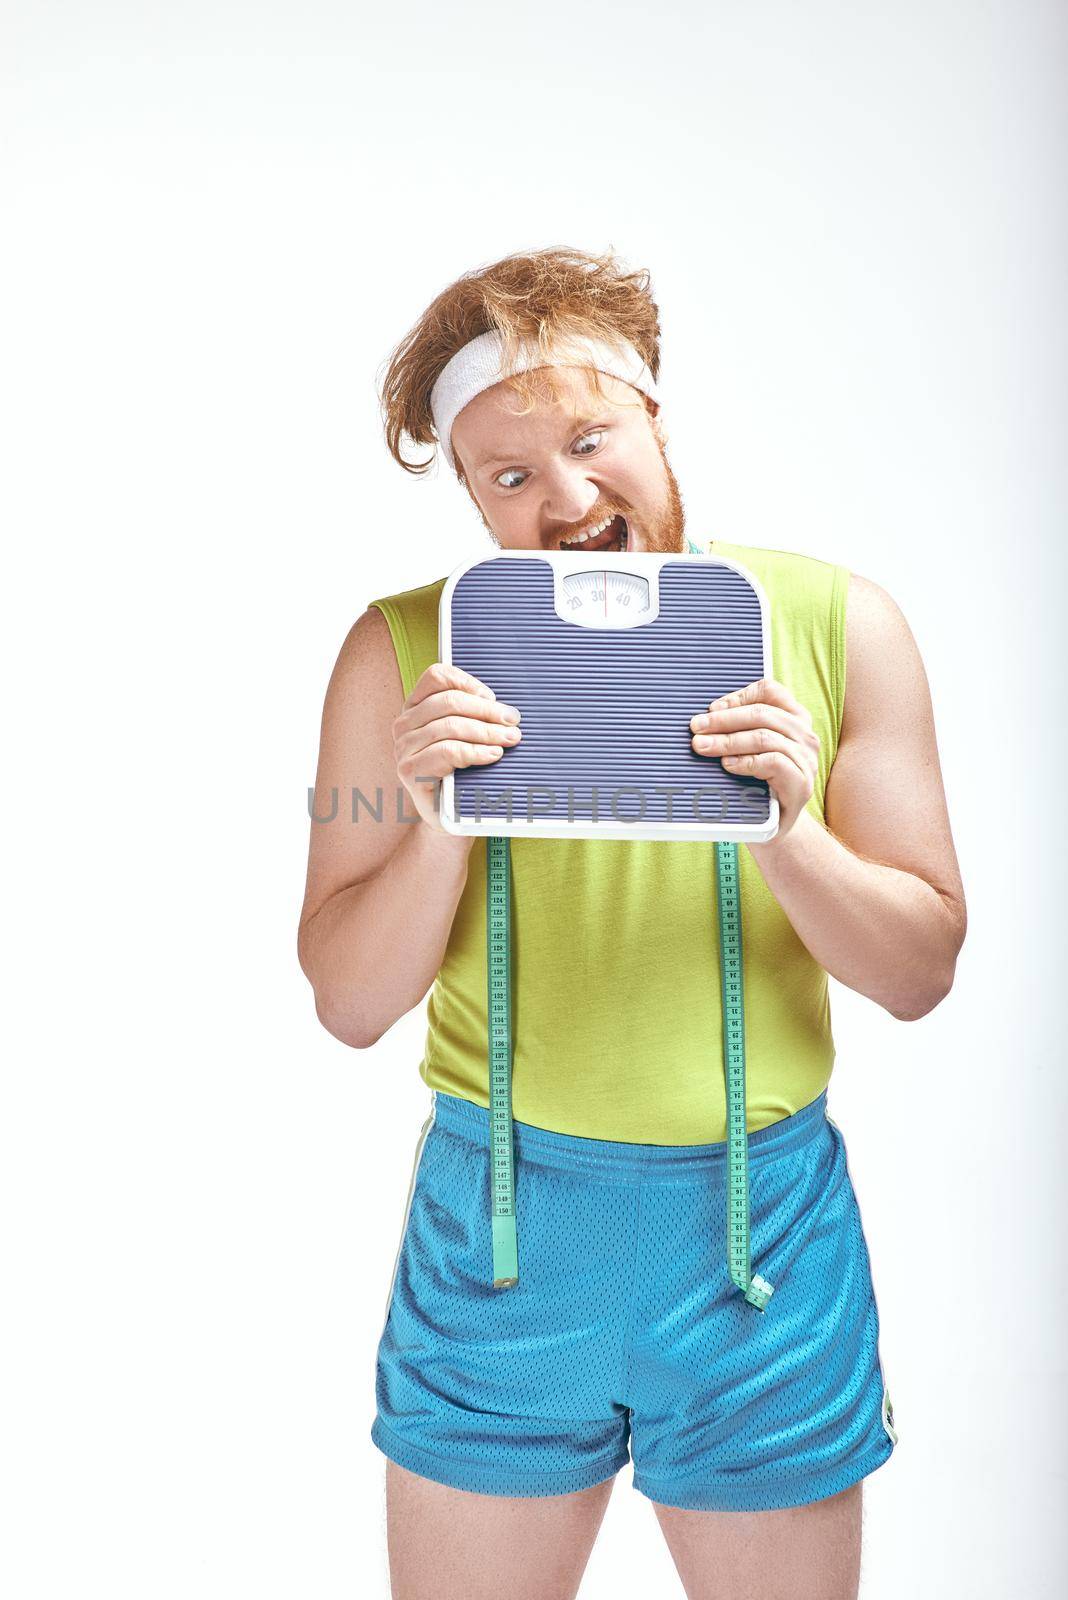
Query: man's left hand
[[761, 731]]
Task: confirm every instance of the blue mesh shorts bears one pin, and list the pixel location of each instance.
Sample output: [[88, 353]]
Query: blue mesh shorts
[[625, 1325]]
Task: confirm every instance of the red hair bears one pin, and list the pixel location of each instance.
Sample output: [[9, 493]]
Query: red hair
[[541, 299]]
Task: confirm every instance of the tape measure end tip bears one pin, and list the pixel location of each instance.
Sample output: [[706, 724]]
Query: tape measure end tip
[[759, 1292]]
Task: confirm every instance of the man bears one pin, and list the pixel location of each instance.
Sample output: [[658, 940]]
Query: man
[[505, 1414]]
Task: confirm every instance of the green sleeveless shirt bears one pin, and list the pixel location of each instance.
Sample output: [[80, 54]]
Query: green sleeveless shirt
[[616, 1009]]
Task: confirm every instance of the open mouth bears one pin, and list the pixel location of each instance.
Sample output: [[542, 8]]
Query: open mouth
[[614, 537]]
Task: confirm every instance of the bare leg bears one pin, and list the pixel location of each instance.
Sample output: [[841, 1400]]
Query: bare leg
[[809, 1552], [450, 1544]]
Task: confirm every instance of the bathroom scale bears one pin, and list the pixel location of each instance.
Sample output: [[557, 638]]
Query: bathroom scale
[[607, 656]]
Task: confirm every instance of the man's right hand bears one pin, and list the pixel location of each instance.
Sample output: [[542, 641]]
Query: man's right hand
[[451, 719]]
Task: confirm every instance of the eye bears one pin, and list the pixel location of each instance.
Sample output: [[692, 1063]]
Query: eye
[[595, 434]]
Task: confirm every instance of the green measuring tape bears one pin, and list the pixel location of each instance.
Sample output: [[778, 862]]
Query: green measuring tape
[[757, 1290], [499, 977]]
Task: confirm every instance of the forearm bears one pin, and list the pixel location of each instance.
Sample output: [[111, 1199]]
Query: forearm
[[372, 951], [880, 931]]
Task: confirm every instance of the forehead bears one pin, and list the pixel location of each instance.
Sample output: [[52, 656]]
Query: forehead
[[506, 415]]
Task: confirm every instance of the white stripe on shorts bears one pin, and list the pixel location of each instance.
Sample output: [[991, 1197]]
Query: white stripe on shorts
[[427, 1125]]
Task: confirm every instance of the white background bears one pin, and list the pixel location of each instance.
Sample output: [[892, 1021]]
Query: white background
[[219, 221]]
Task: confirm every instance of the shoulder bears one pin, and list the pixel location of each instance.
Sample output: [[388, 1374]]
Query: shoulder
[[368, 639], [884, 670], [366, 668], [873, 616], [412, 618]]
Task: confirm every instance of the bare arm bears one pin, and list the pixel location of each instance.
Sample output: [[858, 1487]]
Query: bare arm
[[877, 896], [381, 894]]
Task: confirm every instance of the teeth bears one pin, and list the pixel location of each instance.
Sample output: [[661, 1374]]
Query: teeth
[[589, 533]]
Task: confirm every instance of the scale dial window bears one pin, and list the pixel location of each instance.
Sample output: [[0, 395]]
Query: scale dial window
[[605, 597]]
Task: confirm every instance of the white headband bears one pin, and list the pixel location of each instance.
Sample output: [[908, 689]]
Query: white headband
[[477, 366]]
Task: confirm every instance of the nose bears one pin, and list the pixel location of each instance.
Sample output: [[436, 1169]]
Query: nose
[[569, 494]]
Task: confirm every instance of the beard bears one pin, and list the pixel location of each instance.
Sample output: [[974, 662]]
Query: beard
[[666, 531]]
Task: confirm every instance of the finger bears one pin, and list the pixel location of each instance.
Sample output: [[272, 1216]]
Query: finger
[[769, 690], [755, 715], [455, 702], [446, 675], [776, 767], [442, 730], [438, 760], [736, 749]]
